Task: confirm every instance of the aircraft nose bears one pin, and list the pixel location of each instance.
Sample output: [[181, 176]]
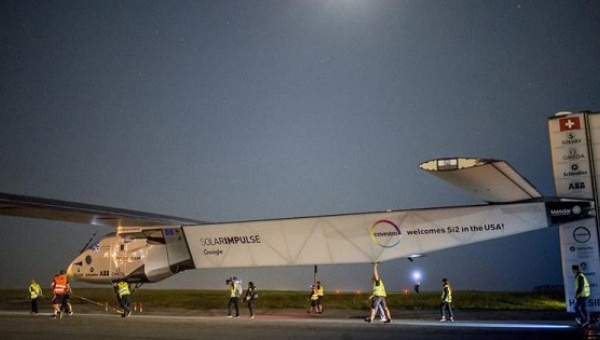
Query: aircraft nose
[[74, 268]]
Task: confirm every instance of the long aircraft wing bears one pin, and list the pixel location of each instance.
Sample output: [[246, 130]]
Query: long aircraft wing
[[352, 238], [357, 238], [33, 207], [374, 237], [492, 181]]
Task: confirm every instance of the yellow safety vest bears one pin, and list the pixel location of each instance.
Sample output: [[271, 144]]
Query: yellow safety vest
[[123, 289], [447, 298], [379, 290], [236, 289], [321, 290], [586, 286], [314, 295], [35, 290]]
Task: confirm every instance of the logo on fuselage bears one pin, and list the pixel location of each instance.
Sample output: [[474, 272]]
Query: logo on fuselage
[[582, 234], [385, 233]]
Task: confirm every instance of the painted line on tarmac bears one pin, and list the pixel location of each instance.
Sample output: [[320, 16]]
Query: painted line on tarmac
[[275, 318], [488, 324]]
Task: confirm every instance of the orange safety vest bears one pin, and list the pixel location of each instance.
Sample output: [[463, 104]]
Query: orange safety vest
[[60, 284]]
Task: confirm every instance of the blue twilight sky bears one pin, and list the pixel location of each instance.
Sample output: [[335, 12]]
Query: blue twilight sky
[[234, 110]]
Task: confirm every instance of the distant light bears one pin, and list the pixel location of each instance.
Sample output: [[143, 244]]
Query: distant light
[[358, 292], [406, 291], [337, 291]]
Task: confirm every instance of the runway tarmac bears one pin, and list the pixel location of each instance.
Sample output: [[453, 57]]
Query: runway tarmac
[[280, 324]]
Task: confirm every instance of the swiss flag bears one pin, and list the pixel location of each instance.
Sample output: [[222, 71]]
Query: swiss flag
[[571, 123]]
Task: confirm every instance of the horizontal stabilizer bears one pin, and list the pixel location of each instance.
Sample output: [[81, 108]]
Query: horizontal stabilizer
[[492, 181]]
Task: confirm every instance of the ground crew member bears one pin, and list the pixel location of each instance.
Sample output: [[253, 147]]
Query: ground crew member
[[379, 295], [60, 286], [124, 298], [582, 292], [35, 292], [313, 297], [320, 294], [251, 297], [236, 289], [446, 300]]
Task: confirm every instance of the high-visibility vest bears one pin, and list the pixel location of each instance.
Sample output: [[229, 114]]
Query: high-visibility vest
[[35, 290], [60, 284], [123, 289], [314, 295], [320, 290], [236, 289], [379, 290], [447, 297], [586, 286]]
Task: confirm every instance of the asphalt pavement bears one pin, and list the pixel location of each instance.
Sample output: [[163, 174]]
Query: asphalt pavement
[[92, 322]]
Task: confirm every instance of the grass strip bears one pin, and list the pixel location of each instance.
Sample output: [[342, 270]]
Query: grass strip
[[192, 299]]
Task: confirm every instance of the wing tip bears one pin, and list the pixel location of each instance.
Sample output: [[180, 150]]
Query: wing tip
[[454, 163]]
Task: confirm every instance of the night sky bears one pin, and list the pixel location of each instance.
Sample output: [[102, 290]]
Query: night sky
[[244, 110]]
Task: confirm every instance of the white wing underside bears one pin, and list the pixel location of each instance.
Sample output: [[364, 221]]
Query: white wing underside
[[352, 238], [491, 181]]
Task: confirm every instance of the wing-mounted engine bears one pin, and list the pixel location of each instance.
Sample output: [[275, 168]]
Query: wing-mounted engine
[[137, 255]]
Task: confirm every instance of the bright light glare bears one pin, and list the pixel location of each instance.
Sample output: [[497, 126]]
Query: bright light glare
[[416, 275]]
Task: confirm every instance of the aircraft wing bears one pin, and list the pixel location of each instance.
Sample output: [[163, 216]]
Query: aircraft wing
[[357, 238], [33, 207], [352, 238], [493, 181], [374, 237]]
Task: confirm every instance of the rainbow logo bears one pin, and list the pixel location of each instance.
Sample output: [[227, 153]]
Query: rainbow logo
[[385, 233]]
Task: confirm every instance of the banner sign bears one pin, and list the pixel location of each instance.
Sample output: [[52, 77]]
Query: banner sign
[[572, 145], [570, 156]]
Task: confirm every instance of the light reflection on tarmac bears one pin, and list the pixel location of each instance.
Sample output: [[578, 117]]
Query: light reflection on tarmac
[[284, 325]]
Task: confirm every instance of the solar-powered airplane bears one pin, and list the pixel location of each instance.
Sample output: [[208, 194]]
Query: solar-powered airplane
[[148, 248]]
